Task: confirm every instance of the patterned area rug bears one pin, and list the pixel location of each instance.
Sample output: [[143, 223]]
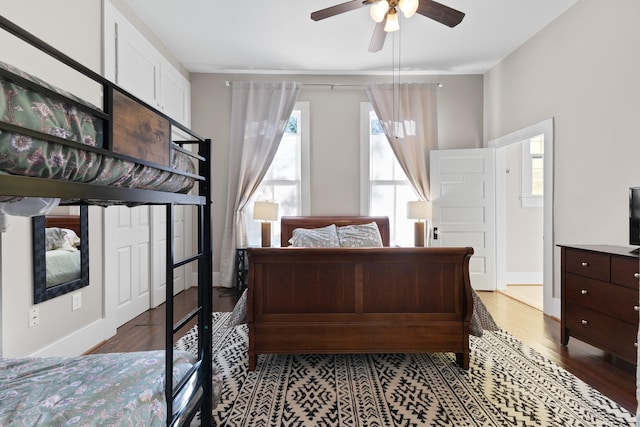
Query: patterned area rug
[[508, 384]]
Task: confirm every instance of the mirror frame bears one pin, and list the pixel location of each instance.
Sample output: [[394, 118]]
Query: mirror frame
[[40, 291]]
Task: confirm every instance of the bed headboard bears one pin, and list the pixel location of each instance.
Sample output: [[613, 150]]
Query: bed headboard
[[289, 223], [71, 222]]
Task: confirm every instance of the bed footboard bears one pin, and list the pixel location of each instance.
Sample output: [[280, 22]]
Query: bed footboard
[[359, 300]]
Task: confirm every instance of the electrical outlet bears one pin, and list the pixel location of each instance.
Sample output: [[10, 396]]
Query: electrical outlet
[[34, 316], [76, 301]]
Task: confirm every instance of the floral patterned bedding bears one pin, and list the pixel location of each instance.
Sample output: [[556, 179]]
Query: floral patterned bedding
[[100, 389], [21, 154]]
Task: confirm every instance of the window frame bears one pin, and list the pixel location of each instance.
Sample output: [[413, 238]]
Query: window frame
[[527, 198], [253, 228], [407, 237]]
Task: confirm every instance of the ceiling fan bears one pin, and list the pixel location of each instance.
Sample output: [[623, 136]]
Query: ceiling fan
[[385, 13]]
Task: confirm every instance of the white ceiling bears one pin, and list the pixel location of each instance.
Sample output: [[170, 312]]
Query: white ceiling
[[278, 36]]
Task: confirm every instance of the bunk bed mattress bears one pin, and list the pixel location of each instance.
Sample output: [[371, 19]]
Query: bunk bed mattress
[[106, 389], [21, 154]]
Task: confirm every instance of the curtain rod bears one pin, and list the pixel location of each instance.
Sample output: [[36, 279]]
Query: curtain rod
[[334, 85]]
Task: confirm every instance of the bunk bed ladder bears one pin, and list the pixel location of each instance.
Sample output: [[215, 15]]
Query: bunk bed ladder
[[180, 410]]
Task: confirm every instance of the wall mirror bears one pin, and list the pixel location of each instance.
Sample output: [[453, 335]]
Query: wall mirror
[[60, 254]]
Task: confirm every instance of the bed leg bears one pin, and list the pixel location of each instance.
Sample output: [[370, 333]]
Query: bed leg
[[463, 360], [253, 360]]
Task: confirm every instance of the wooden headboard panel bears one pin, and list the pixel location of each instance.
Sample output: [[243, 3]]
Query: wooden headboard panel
[[289, 223], [72, 222]]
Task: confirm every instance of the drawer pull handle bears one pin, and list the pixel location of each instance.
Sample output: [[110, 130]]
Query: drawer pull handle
[[584, 322], [584, 264], [584, 292], [635, 344], [636, 307], [636, 275]]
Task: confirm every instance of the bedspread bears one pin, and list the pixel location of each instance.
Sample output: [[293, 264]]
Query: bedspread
[[101, 389]]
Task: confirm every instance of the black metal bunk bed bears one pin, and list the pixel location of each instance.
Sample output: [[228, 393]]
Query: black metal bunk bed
[[194, 390]]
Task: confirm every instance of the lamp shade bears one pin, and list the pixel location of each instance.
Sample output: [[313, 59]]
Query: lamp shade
[[379, 10], [408, 7], [265, 211], [419, 209], [392, 23]]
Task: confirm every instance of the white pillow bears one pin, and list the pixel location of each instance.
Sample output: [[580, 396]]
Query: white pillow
[[323, 237], [360, 236]]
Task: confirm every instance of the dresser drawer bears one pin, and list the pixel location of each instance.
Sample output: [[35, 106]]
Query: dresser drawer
[[589, 264], [603, 331], [615, 301], [624, 271]]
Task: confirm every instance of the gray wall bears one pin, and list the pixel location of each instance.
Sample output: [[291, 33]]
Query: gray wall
[[582, 70], [46, 20], [335, 132]]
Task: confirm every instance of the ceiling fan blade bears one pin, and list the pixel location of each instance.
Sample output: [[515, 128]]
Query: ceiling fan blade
[[377, 40], [439, 12], [337, 9]]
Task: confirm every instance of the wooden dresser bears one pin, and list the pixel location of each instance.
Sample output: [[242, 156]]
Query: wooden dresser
[[600, 298]]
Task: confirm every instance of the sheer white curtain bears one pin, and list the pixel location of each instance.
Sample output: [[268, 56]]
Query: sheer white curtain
[[408, 115], [260, 112]]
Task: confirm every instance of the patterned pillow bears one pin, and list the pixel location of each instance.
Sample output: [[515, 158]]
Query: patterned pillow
[[54, 238], [323, 237], [360, 236]]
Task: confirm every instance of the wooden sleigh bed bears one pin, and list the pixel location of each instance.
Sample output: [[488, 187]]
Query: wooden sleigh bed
[[55, 145], [357, 299]]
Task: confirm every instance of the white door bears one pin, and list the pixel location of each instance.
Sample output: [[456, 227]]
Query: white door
[[159, 248], [463, 199], [137, 64], [127, 261]]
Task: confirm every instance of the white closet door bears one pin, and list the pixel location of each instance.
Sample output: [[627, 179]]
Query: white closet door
[[127, 263], [158, 250], [137, 64], [175, 96], [133, 63]]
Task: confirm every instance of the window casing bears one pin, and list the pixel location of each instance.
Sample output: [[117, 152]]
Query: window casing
[[533, 172], [384, 187], [287, 180]]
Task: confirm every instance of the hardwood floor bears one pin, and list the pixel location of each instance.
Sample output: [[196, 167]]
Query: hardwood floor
[[146, 332], [532, 295], [614, 378]]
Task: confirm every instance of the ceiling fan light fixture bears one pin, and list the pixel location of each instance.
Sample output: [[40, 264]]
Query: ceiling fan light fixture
[[408, 7], [379, 10], [392, 23]]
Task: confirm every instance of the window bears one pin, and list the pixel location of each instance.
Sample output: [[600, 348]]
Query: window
[[384, 187], [287, 180], [533, 171]]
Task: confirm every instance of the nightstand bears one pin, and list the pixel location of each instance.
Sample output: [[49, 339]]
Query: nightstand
[[241, 270]]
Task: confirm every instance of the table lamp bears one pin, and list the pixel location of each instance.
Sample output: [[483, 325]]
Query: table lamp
[[419, 210], [265, 212]]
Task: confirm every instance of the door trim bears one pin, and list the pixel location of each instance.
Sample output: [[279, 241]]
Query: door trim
[[551, 304]]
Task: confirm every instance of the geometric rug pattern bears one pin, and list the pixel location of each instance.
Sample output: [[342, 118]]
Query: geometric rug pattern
[[507, 384]]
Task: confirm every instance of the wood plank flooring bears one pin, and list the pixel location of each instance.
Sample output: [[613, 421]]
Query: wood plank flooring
[[532, 295], [614, 378]]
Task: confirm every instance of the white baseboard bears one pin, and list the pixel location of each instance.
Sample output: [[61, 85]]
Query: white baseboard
[[524, 278], [79, 341]]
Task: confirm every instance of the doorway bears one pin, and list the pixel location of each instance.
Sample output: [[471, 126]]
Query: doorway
[[503, 145]]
